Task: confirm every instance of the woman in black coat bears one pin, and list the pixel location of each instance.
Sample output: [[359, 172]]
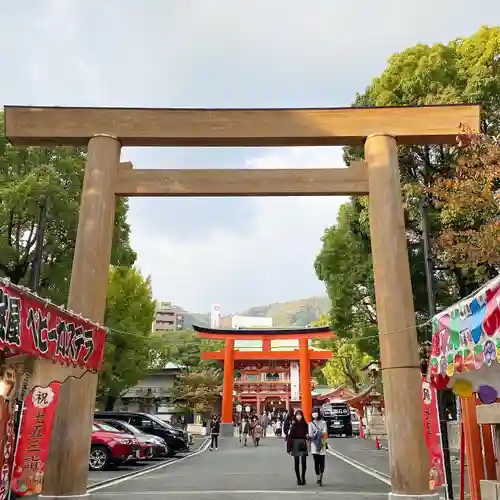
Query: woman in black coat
[[296, 444]]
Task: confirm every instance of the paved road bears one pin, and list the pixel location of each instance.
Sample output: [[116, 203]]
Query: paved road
[[95, 477], [364, 451], [235, 473]]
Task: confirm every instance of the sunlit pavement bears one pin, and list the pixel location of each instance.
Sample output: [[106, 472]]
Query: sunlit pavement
[[96, 477], [235, 473]]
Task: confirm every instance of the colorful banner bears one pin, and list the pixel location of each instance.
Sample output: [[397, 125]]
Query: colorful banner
[[33, 326], [7, 409], [34, 438], [466, 341], [432, 432], [295, 381]]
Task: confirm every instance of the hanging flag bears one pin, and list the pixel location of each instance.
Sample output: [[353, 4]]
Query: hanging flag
[[34, 439], [432, 432]]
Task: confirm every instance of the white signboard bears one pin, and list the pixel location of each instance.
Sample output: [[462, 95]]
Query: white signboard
[[295, 381], [251, 322], [215, 316]]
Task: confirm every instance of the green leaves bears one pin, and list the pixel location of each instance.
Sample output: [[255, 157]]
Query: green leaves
[[29, 177], [130, 346], [463, 209], [197, 390]]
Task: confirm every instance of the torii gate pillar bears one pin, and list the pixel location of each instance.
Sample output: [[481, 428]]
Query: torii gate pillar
[[227, 429]]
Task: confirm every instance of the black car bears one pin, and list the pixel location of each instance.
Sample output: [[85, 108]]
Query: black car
[[177, 439], [338, 419]]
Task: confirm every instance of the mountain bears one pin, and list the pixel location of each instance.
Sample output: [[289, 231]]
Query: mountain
[[292, 313]]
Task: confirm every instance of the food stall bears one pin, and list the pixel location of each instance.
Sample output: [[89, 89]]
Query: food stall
[[465, 357], [33, 328]]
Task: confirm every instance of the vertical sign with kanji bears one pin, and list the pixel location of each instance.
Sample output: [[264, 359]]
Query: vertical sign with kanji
[[34, 438], [432, 432]]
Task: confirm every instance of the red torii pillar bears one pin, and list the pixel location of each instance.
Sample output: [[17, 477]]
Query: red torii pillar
[[305, 378], [228, 384]]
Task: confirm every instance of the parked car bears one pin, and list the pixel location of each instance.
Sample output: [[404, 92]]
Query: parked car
[[338, 419], [111, 448], [355, 423], [176, 438], [151, 446], [136, 445]]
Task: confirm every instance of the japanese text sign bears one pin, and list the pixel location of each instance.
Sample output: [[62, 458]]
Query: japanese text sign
[[432, 434], [34, 439], [33, 326]]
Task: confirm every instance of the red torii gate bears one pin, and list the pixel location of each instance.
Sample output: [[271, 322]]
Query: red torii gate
[[304, 355]]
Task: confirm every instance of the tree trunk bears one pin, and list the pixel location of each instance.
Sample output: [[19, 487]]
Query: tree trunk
[[109, 403]]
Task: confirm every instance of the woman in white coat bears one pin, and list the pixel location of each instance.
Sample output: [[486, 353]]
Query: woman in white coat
[[318, 434]]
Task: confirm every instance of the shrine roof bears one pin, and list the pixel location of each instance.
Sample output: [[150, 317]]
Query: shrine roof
[[261, 333]]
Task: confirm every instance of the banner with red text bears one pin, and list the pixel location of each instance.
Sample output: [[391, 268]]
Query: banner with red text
[[432, 432], [34, 439], [33, 326], [7, 444]]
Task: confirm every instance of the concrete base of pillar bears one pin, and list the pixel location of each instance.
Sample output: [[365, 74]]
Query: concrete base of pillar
[[226, 430], [403, 496], [68, 497]]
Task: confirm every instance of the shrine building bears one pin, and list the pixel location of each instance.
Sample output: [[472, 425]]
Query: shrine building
[[266, 368]]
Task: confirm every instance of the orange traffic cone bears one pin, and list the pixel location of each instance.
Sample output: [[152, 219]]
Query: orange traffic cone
[[361, 430], [377, 443]]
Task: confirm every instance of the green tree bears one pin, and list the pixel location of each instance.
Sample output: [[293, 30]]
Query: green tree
[[29, 178], [197, 390], [344, 265], [345, 369], [462, 71], [130, 345], [465, 70], [185, 347]]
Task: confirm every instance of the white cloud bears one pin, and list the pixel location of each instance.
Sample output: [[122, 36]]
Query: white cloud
[[265, 259], [219, 53]]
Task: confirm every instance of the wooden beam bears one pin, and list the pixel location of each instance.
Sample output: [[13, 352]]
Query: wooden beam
[[46, 126], [244, 182]]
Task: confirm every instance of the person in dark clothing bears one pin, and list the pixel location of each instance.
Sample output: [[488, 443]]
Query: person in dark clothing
[[214, 433], [296, 444], [287, 424]]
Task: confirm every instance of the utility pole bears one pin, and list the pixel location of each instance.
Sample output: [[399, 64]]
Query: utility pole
[[431, 301], [36, 264]]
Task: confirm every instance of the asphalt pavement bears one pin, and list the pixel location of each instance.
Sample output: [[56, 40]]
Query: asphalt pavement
[[236, 473], [116, 472]]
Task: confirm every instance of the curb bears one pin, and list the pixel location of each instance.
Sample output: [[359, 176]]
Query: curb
[[150, 468]]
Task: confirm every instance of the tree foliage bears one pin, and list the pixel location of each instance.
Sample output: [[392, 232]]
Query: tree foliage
[[29, 178], [185, 347], [130, 345], [197, 390], [465, 70], [469, 205], [345, 369]]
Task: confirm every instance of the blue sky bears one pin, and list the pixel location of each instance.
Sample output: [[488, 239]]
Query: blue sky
[[220, 53]]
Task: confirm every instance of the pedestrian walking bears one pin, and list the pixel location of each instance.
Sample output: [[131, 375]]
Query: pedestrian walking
[[265, 423], [287, 424], [204, 425], [318, 434], [297, 446], [214, 433], [245, 428]]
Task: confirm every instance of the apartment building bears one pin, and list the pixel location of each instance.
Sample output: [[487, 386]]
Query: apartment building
[[167, 318]]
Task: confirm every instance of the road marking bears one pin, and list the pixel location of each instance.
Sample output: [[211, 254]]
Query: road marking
[[324, 492], [134, 475], [362, 467]]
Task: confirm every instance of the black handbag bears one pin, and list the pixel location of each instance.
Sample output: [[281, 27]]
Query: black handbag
[[302, 447]]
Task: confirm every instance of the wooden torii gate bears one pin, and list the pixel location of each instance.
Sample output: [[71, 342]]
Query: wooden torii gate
[[105, 130]]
